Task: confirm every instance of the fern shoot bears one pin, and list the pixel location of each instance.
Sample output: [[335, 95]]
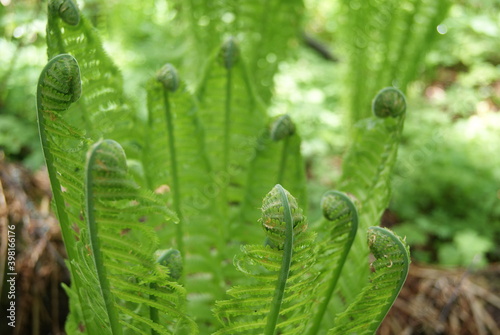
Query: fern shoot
[[133, 284], [335, 238], [391, 267], [367, 169], [280, 295], [170, 80], [100, 163]]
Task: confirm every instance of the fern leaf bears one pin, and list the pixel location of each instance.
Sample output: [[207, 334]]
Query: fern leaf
[[283, 279], [277, 161], [104, 110], [266, 30], [385, 45], [367, 170], [230, 121], [391, 267], [175, 155], [335, 237], [123, 245], [174, 152], [64, 150]]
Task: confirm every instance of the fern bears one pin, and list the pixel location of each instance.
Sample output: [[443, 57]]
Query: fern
[[123, 245], [229, 122], [175, 157], [277, 160], [335, 237], [281, 295], [210, 153], [264, 29], [385, 44], [64, 149], [367, 168], [104, 109], [391, 266]]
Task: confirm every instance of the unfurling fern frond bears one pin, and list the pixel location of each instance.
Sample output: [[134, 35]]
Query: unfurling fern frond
[[335, 237], [134, 286], [277, 160], [103, 109], [370, 307], [280, 296], [367, 169], [385, 45], [64, 148], [232, 116]]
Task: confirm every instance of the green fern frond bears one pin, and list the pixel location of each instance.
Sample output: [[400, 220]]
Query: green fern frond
[[280, 297], [64, 149], [335, 237], [123, 245], [176, 156], [104, 110], [265, 30], [385, 44], [277, 160], [230, 121], [367, 169], [390, 268], [268, 29], [174, 151]]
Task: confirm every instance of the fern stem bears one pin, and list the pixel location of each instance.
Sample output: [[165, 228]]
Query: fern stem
[[95, 244], [284, 156], [227, 131], [272, 318], [175, 176]]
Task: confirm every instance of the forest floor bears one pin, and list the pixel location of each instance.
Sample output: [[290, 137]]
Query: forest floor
[[434, 300]]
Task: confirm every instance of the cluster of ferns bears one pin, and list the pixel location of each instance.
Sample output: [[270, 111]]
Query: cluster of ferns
[[160, 217]]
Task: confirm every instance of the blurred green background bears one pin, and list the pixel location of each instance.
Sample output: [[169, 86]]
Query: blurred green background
[[446, 187]]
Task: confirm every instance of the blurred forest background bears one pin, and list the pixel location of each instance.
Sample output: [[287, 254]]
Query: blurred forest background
[[446, 188]]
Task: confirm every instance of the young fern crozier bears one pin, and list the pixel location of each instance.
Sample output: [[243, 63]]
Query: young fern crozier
[[335, 237], [283, 280], [368, 310]]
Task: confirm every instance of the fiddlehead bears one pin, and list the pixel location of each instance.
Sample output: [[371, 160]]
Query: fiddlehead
[[59, 84], [67, 11], [273, 212], [229, 53], [168, 76], [280, 298], [282, 127], [172, 259], [389, 102], [390, 269]]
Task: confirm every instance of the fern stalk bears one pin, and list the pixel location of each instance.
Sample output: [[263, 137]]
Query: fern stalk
[[284, 155], [104, 286], [229, 54], [272, 317], [172, 86]]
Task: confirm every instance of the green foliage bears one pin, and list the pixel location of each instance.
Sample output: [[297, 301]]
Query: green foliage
[[389, 274], [389, 41], [367, 170], [279, 299], [123, 247], [443, 200], [209, 154]]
